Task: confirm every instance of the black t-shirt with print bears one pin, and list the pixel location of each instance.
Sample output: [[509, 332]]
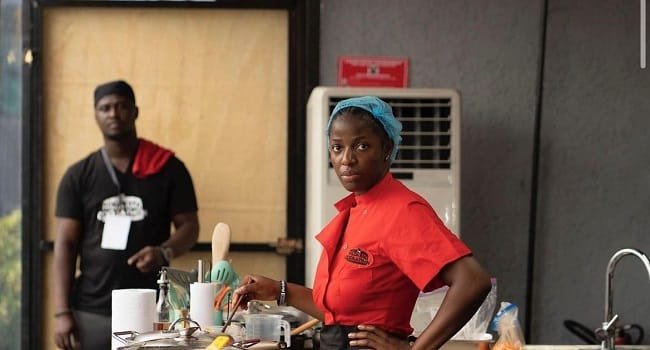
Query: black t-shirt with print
[[87, 193]]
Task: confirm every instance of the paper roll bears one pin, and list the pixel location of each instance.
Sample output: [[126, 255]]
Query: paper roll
[[202, 303], [132, 310]]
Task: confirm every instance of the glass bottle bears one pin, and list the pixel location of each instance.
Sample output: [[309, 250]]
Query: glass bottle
[[163, 307]]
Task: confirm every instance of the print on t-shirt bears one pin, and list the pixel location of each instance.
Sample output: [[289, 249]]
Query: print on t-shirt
[[133, 206]]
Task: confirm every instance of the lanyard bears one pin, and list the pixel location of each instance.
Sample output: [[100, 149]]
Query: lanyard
[[111, 172]]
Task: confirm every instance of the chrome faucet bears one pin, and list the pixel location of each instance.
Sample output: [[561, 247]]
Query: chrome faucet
[[606, 332]]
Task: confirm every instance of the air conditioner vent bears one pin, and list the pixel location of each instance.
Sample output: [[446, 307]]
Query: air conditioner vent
[[426, 131]]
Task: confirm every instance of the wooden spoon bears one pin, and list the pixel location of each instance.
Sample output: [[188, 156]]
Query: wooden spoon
[[305, 326], [220, 242]]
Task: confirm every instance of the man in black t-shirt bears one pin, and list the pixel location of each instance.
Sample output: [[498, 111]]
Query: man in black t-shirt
[[114, 211]]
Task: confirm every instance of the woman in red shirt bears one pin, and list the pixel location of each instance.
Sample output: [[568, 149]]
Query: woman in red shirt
[[384, 246]]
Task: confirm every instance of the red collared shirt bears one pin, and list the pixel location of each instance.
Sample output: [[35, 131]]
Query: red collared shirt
[[392, 245]]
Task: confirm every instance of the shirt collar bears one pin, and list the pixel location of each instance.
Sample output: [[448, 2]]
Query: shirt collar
[[375, 192]]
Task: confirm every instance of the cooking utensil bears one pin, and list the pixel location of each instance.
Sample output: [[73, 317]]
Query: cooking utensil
[[161, 339], [232, 314], [268, 327], [305, 326], [220, 342], [221, 295], [220, 242], [186, 322], [222, 273], [245, 344], [179, 287], [199, 271], [126, 337], [181, 277]]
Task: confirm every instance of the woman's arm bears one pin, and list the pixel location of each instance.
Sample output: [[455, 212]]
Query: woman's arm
[[301, 298], [469, 284], [254, 287]]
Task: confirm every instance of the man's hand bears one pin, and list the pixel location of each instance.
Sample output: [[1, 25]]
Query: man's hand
[[372, 337], [148, 259], [66, 335]]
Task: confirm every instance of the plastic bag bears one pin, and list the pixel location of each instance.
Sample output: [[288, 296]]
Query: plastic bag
[[476, 327], [427, 306], [506, 324]]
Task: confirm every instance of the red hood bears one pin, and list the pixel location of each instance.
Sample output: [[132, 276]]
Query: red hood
[[149, 159]]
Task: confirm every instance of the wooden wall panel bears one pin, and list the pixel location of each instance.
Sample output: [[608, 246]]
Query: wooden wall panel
[[211, 84]]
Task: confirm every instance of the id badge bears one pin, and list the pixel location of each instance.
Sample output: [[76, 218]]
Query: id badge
[[116, 231]]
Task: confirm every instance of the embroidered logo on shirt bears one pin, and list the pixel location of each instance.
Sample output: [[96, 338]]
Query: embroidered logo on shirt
[[359, 256]]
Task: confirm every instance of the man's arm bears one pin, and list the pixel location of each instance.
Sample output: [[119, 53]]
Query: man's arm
[[65, 258], [186, 232]]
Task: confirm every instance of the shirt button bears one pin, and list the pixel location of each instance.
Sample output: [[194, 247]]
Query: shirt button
[[365, 211], [345, 246]]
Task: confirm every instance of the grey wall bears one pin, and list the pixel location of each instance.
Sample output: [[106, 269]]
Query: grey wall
[[595, 166], [594, 176]]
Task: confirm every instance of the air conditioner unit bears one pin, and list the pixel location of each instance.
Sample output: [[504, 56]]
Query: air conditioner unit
[[428, 161]]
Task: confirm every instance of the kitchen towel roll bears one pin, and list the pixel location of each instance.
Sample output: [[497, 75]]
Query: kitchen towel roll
[[132, 310], [202, 303]]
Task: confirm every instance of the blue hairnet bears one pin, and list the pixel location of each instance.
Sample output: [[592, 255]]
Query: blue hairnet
[[378, 109]]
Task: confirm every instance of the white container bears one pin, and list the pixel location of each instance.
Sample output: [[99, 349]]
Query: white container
[[267, 327]]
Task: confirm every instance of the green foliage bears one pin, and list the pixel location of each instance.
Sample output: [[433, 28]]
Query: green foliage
[[10, 280]]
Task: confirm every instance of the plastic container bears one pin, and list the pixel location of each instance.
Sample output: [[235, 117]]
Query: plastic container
[[267, 327]]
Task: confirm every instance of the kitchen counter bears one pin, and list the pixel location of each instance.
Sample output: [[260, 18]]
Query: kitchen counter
[[583, 347], [468, 345]]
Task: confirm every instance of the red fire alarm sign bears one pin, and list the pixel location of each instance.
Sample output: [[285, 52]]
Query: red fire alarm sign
[[373, 71]]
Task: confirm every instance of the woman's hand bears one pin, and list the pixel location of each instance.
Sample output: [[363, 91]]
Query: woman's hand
[[374, 338], [254, 287]]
